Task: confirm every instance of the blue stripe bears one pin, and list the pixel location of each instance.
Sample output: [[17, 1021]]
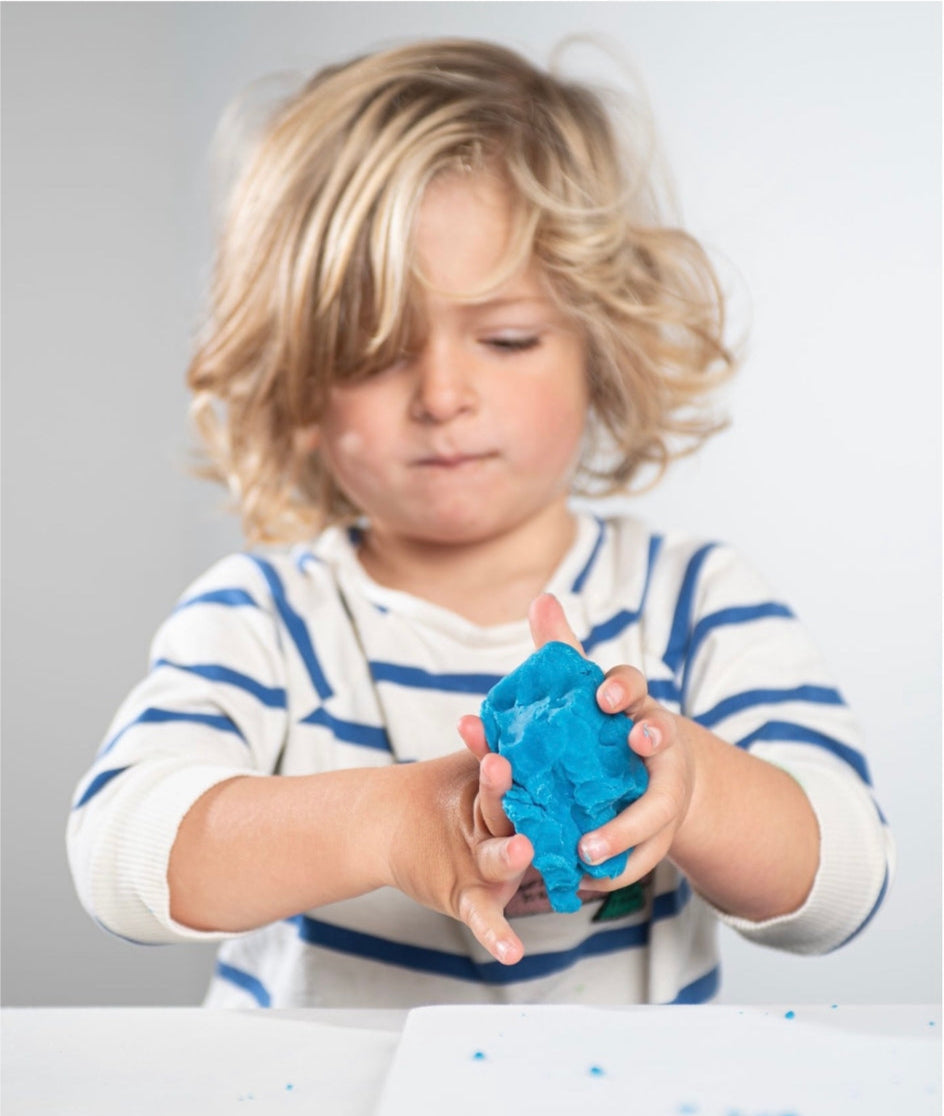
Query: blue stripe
[[296, 628], [417, 678], [234, 598], [102, 779], [786, 731], [610, 629], [868, 918], [458, 966], [246, 981], [815, 695], [350, 732], [439, 962], [739, 614], [682, 620], [272, 696], [585, 572], [664, 689], [701, 989], [152, 716], [670, 903], [305, 558]]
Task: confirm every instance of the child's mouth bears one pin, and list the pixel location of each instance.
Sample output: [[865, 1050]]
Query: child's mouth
[[453, 461]]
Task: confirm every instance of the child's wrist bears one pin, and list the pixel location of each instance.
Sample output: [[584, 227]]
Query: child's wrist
[[698, 747], [412, 804]]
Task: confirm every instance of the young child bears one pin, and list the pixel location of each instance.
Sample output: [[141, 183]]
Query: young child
[[439, 311]]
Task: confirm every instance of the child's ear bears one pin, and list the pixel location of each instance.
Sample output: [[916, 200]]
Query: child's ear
[[306, 438]]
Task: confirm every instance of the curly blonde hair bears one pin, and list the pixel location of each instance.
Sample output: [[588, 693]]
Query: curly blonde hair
[[313, 275]]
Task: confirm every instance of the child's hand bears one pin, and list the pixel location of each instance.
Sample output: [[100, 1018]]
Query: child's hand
[[650, 824], [456, 852]]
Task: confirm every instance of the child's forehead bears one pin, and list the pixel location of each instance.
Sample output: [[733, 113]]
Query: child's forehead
[[454, 199], [472, 242]]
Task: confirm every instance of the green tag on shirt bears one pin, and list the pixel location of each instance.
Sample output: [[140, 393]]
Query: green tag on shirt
[[626, 901]]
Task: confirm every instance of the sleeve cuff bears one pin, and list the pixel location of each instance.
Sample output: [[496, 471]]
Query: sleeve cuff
[[137, 855], [855, 866]]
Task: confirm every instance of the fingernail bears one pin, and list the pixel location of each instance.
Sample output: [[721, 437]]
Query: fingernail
[[652, 734], [592, 850], [503, 949], [612, 696]]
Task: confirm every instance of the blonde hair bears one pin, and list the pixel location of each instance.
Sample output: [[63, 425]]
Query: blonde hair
[[313, 275]]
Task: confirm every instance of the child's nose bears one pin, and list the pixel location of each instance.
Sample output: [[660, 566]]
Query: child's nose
[[444, 385]]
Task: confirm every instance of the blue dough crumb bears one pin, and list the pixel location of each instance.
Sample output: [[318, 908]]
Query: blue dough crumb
[[572, 767]]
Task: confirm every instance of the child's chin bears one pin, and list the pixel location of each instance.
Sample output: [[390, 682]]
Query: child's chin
[[457, 534], [454, 526]]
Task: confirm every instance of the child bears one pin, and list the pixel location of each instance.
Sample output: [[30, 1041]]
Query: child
[[439, 312]]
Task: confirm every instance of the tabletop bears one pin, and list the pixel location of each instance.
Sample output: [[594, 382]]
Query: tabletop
[[773, 1060]]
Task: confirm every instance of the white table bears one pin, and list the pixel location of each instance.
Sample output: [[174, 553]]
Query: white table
[[182, 1061]]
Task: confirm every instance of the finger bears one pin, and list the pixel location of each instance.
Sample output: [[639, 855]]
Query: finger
[[548, 622], [644, 857], [472, 732], [481, 911], [623, 689], [494, 783], [654, 733], [503, 859], [661, 807]]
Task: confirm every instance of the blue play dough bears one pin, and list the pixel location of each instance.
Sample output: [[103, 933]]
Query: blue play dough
[[572, 767]]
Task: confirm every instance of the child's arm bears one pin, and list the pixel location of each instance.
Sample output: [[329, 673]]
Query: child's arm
[[254, 850], [742, 829], [181, 830]]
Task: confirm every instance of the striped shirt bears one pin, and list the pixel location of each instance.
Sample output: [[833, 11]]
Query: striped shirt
[[293, 661]]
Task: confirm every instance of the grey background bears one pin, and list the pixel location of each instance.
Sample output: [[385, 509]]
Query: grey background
[[805, 145]]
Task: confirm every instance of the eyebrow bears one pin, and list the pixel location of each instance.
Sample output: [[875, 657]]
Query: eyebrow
[[510, 300], [507, 302]]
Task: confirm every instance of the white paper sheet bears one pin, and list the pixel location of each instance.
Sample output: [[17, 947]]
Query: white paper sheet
[[659, 1061], [197, 1062]]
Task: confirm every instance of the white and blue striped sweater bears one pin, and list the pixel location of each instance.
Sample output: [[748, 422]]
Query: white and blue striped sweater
[[294, 662]]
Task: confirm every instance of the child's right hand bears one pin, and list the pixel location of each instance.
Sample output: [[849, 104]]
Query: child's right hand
[[454, 850]]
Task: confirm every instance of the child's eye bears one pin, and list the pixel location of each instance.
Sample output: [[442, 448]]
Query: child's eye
[[513, 343]]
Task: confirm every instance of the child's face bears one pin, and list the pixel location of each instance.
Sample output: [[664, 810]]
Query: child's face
[[478, 431]]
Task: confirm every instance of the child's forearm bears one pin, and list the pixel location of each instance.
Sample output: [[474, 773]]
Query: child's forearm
[[254, 850], [750, 840]]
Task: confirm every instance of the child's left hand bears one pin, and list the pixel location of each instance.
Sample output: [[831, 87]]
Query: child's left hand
[[650, 824]]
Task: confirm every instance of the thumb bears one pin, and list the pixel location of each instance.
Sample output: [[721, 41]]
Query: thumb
[[548, 622]]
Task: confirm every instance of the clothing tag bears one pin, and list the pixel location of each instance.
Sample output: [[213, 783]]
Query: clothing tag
[[626, 901]]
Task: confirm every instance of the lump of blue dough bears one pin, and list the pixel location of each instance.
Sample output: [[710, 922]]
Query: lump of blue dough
[[572, 767]]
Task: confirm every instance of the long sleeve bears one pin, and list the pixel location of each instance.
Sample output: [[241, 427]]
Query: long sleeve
[[212, 706], [745, 668]]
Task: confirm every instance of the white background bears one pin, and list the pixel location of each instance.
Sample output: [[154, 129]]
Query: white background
[[805, 145]]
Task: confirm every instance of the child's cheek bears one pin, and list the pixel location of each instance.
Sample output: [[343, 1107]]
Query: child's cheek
[[348, 459], [350, 446]]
